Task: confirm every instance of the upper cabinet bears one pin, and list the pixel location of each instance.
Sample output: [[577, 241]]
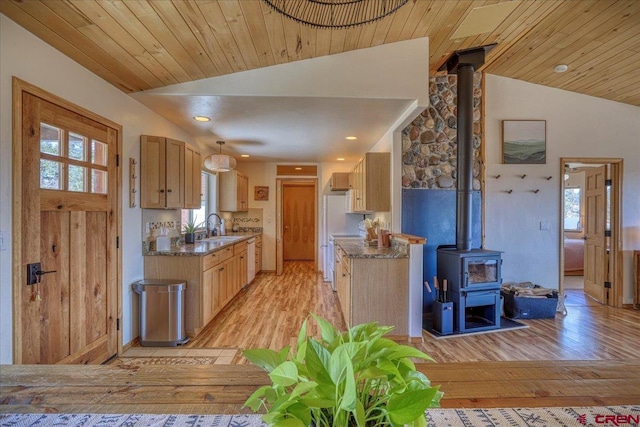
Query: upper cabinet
[[234, 192], [192, 178], [340, 181], [370, 184], [163, 174]]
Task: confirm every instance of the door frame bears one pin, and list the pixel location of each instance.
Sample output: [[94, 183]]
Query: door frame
[[18, 88], [280, 182], [615, 255]]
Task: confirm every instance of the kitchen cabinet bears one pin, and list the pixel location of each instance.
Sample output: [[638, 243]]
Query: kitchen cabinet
[[371, 184], [373, 290], [239, 266], [340, 181], [234, 192], [258, 254], [169, 174], [192, 178]]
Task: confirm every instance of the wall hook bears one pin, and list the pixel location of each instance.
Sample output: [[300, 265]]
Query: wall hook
[[548, 178], [497, 176], [509, 191], [535, 191], [523, 176]]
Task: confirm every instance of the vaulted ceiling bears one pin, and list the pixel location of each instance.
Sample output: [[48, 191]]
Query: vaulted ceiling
[[138, 45], [141, 45]]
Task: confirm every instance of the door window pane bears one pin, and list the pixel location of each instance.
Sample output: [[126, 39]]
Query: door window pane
[[572, 209], [50, 139], [50, 174], [98, 153], [77, 178], [77, 147], [98, 181]]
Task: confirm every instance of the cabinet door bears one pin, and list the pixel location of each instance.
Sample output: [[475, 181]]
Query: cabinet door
[[228, 197], [175, 173], [258, 256], [208, 294], [243, 193], [152, 172], [340, 181], [192, 178], [224, 277], [244, 274]]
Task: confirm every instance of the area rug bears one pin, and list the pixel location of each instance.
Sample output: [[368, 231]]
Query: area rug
[[506, 324], [626, 416]]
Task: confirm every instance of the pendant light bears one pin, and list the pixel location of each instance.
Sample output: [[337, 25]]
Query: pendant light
[[219, 162]]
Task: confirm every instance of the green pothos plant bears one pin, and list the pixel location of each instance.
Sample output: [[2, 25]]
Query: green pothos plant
[[354, 378]]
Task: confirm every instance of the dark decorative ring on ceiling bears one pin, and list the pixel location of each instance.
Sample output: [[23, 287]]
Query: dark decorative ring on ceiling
[[335, 13]]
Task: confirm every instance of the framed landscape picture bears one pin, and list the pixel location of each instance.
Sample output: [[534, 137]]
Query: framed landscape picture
[[524, 142]]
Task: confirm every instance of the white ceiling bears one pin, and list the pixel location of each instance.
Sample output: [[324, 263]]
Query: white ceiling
[[302, 111]]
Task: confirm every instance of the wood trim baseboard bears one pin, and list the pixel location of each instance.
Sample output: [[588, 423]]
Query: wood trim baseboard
[[133, 343]]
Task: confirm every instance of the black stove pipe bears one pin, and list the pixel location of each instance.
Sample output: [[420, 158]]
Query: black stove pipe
[[464, 186], [464, 63]]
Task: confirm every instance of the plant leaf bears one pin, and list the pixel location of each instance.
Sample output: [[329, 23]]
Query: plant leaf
[[302, 335], [265, 358], [317, 362], [349, 397], [402, 351], [327, 330], [302, 388], [255, 400], [285, 374], [407, 407], [358, 414], [317, 402]]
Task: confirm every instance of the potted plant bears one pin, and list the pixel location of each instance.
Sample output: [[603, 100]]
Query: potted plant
[[189, 229], [355, 378]]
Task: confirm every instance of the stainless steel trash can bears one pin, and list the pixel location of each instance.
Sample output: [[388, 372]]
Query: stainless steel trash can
[[161, 312]]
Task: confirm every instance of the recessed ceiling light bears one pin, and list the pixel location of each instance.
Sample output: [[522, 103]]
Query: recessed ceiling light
[[298, 169], [561, 68], [351, 138], [340, 159], [244, 155], [201, 119]]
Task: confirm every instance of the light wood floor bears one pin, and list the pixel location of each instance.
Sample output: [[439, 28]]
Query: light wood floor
[[587, 358]]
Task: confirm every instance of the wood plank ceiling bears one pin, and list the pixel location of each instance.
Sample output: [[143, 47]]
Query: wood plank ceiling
[[138, 45]]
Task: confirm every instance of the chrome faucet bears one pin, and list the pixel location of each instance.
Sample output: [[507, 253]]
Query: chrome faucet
[[207, 222]]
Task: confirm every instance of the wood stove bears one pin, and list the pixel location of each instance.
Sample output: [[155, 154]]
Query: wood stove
[[474, 281], [473, 275]]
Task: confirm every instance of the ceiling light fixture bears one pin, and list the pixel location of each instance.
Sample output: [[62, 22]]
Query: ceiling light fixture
[[561, 68], [201, 119], [244, 155], [219, 162], [335, 13], [340, 159], [298, 169], [351, 138]]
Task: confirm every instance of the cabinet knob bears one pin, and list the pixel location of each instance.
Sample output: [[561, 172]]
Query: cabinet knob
[[162, 190], [169, 191]]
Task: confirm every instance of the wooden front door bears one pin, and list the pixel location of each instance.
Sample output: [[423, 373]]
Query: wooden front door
[[69, 225], [595, 260], [298, 220]]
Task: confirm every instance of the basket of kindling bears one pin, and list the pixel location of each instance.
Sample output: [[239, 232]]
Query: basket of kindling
[[526, 300]]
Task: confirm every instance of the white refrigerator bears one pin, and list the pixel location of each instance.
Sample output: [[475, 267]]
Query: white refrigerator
[[335, 221]]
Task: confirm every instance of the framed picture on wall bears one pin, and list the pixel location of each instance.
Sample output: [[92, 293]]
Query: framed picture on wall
[[524, 142], [261, 193]]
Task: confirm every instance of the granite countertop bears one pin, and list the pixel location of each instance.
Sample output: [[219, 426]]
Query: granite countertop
[[205, 246], [356, 248]]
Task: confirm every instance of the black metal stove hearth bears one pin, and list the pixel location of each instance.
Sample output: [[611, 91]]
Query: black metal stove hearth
[[473, 275]]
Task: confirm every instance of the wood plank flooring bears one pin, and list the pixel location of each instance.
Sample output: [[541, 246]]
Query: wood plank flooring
[[588, 357]]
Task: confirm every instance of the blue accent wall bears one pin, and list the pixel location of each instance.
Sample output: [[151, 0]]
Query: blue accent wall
[[432, 214]]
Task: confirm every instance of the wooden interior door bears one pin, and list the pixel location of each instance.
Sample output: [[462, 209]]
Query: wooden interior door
[[595, 260], [69, 225], [298, 219]]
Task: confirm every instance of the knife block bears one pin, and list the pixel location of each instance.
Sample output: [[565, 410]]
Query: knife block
[[443, 317]]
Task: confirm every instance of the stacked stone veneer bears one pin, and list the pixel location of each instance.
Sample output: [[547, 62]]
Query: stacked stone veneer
[[429, 143]]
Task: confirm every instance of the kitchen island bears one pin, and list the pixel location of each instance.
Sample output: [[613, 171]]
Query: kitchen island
[[373, 283], [215, 270]]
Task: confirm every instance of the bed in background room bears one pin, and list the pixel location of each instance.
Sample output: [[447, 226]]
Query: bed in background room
[[573, 257]]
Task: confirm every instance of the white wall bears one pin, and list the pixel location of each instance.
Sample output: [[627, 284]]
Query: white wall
[[25, 56], [577, 126]]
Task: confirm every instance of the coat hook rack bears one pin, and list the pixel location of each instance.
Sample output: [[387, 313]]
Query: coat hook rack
[[523, 176], [535, 191], [132, 182], [548, 178]]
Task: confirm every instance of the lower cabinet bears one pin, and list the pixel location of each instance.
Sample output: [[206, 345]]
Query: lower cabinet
[[212, 281], [258, 254], [374, 290]]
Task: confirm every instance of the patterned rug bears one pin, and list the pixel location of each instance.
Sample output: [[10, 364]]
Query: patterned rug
[[626, 416]]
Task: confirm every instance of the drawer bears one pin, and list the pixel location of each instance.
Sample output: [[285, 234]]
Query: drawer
[[210, 260], [481, 298], [239, 247], [225, 253]]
